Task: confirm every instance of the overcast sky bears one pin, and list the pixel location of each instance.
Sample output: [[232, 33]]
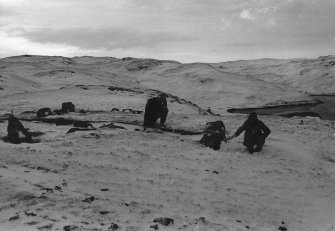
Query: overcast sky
[[182, 30]]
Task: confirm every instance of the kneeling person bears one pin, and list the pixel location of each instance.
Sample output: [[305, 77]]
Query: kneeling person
[[13, 129], [215, 133], [255, 133]]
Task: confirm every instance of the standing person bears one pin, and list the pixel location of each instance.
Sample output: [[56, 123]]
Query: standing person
[[155, 108], [255, 133]]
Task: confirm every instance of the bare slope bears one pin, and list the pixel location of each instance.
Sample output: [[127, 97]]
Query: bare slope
[[315, 76]]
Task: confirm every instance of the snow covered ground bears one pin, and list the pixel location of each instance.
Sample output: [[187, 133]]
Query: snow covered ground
[[123, 179], [315, 76]]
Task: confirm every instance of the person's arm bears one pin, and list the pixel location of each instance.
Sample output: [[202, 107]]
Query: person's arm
[[146, 117], [164, 102], [239, 131], [265, 129]]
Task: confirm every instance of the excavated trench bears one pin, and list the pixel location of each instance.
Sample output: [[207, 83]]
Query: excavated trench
[[324, 108]]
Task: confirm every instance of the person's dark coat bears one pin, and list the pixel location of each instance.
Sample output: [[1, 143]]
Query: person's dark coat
[[215, 133], [255, 133], [13, 129], [155, 108]]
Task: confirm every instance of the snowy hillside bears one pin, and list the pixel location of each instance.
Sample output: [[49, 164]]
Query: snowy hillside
[[315, 76], [115, 176], [200, 83]]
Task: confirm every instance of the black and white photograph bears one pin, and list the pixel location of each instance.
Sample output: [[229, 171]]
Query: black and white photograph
[[167, 115]]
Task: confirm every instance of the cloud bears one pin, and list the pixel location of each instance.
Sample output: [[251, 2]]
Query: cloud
[[263, 16], [5, 12], [225, 24], [162, 27], [246, 14], [244, 44], [105, 38], [14, 45]]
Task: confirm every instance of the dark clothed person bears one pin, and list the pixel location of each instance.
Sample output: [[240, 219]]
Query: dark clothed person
[[155, 108], [255, 133], [215, 133], [13, 129]]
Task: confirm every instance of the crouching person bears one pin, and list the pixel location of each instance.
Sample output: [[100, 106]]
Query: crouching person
[[155, 108], [13, 129], [215, 133], [255, 133]]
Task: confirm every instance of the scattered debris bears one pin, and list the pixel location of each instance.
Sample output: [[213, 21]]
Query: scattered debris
[[61, 121], [50, 190], [64, 183], [45, 227], [201, 219], [103, 212], [68, 107], [59, 112], [43, 169], [95, 135], [113, 227], [179, 131], [82, 124], [43, 112], [24, 196], [72, 130], [89, 199], [164, 221], [32, 223], [15, 217], [70, 227], [111, 125], [32, 214], [112, 88], [3, 166], [132, 203], [155, 227], [216, 172], [127, 110], [58, 188], [43, 196], [282, 228]]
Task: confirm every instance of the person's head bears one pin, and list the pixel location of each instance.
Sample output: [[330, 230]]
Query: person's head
[[253, 118], [163, 95]]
